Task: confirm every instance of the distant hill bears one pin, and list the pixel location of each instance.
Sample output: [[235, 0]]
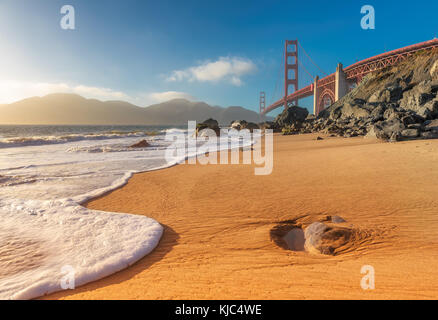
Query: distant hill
[[72, 109]]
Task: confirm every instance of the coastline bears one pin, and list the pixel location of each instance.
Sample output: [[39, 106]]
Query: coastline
[[218, 219]]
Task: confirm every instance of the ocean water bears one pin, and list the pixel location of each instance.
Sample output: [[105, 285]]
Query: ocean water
[[46, 174]]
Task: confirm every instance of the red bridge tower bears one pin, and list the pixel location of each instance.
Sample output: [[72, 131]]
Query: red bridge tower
[[262, 104], [290, 63]]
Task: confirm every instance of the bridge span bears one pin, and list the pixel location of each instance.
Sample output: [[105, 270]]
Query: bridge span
[[327, 90]]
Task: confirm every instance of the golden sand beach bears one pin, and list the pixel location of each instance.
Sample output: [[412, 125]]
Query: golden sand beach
[[219, 220]]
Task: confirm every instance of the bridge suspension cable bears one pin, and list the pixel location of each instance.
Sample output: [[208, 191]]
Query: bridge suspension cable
[[302, 65], [274, 96], [320, 69]]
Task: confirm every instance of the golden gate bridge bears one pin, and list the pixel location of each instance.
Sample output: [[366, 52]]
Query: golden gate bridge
[[332, 87]]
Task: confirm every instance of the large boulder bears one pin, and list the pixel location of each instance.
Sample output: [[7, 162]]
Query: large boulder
[[354, 110], [238, 124], [378, 112], [325, 239], [390, 93], [386, 130], [291, 115], [207, 124], [333, 113], [419, 95], [431, 125], [429, 135], [410, 133], [242, 124], [429, 110]]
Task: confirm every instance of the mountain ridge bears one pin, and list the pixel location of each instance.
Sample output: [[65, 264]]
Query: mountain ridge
[[73, 109]]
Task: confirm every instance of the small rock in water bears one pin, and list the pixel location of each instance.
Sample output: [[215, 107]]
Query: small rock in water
[[319, 138], [141, 144]]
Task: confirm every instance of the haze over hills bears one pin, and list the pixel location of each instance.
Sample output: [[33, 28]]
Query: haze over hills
[[72, 109]]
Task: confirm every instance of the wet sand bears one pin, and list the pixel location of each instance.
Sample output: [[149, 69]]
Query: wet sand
[[219, 221], [19, 254]]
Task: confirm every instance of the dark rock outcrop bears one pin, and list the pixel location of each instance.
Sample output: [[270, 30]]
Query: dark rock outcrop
[[291, 120], [242, 124], [238, 124], [207, 124], [291, 116], [141, 144]]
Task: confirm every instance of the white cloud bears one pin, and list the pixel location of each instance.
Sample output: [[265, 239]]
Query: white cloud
[[11, 91], [103, 93], [229, 69], [157, 97]]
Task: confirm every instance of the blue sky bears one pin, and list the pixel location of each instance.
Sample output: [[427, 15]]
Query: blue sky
[[221, 52]]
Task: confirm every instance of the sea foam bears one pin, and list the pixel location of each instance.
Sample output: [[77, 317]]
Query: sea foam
[[93, 244], [44, 227], [45, 230]]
